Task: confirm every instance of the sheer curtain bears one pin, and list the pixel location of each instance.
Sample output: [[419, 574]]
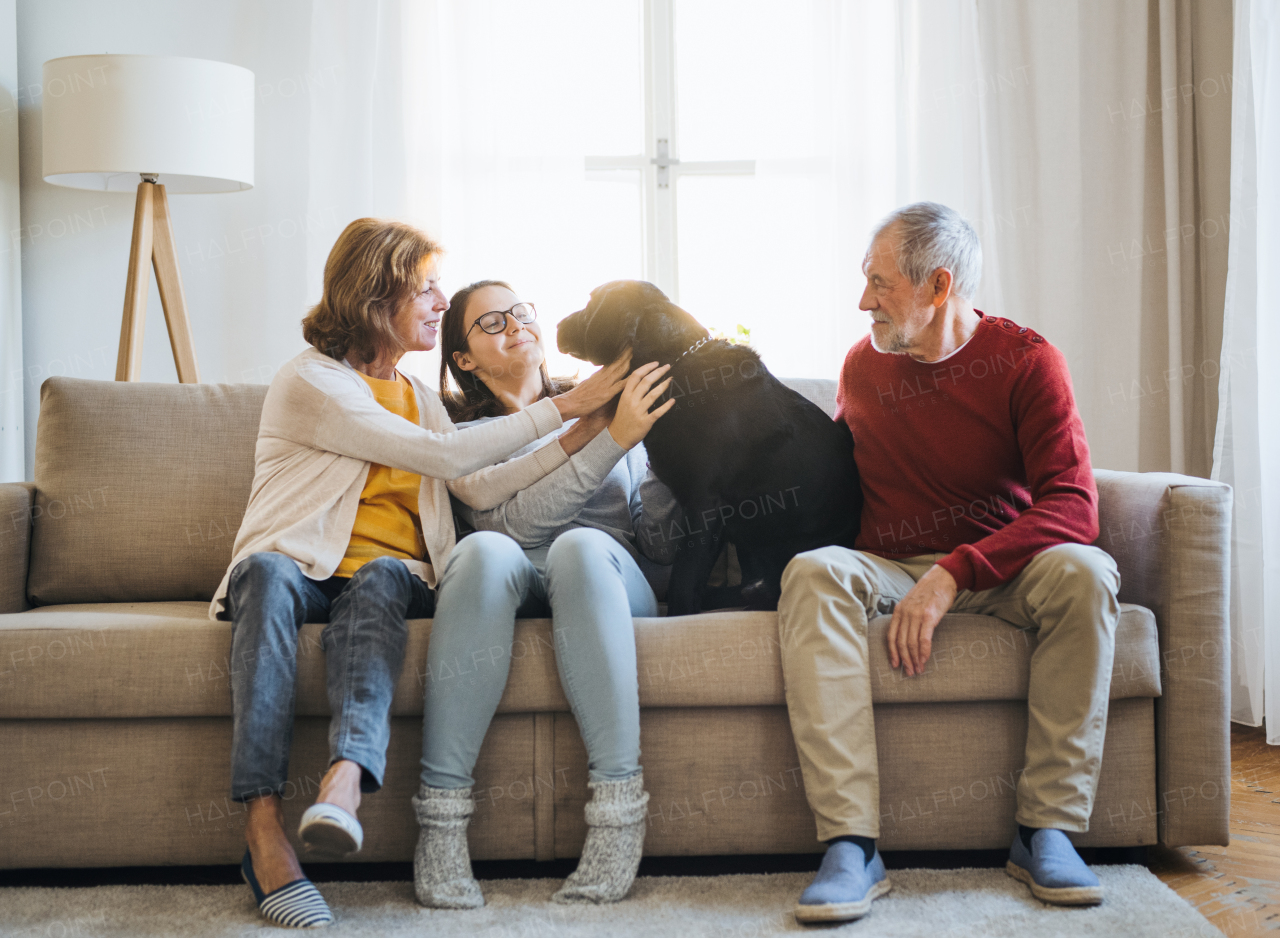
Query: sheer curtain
[[1247, 447], [810, 97], [473, 118], [1095, 184], [498, 103], [524, 93], [501, 102], [1090, 142]]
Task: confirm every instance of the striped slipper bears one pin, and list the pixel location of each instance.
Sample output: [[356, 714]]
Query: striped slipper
[[295, 905], [326, 828]]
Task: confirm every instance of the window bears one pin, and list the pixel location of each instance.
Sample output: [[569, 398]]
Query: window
[[722, 151]]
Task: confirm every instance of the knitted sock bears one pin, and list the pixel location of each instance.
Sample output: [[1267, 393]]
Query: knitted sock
[[441, 865], [868, 844], [616, 818], [1026, 833]]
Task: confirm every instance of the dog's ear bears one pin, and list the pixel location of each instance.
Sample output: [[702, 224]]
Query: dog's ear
[[651, 338], [623, 308], [663, 331], [648, 294], [606, 327]]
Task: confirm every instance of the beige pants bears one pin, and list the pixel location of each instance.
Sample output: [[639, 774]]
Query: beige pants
[[1067, 594]]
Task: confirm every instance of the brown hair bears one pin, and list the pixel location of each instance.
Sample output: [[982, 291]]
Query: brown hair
[[473, 399], [373, 269]]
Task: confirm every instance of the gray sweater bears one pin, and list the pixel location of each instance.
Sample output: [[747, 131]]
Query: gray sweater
[[601, 486]]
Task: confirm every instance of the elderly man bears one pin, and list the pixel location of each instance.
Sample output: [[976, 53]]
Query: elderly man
[[979, 499]]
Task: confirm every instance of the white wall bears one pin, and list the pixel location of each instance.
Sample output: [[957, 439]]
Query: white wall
[[12, 464], [242, 254]]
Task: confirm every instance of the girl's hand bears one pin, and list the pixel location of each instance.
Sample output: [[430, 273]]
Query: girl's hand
[[587, 428], [595, 391], [634, 420]]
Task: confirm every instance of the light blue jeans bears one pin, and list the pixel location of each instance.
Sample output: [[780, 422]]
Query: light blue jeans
[[593, 587]]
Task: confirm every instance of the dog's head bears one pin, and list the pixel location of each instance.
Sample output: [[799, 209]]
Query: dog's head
[[628, 314]]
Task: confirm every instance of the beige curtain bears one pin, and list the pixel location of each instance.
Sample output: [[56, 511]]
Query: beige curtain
[[1107, 126], [1193, 49], [1110, 129]]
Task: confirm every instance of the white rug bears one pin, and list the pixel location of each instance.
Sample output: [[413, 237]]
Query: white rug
[[934, 903]]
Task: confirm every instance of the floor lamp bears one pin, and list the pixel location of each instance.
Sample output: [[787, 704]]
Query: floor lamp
[[163, 124]]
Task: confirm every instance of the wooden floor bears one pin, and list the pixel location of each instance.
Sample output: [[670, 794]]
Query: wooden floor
[[1237, 887]]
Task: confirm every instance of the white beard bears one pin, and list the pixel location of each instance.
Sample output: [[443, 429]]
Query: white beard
[[894, 344]]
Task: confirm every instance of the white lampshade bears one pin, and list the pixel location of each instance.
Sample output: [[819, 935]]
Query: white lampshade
[[108, 118]]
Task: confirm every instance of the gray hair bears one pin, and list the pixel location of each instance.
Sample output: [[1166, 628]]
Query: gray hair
[[935, 236]]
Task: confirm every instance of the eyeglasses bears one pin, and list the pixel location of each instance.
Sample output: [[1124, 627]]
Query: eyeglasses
[[496, 321]]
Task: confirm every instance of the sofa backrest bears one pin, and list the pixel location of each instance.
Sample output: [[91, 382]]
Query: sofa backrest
[[141, 487], [822, 391]]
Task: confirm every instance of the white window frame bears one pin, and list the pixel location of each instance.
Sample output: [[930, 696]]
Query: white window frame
[[660, 166]]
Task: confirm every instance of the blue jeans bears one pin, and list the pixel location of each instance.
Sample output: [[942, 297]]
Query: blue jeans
[[268, 600], [593, 588]]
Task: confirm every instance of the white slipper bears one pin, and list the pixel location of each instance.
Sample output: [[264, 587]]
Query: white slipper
[[327, 828]]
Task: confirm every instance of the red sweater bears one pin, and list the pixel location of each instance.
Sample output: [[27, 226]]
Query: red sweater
[[981, 456]]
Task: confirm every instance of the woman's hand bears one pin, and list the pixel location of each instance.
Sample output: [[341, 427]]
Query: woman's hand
[[599, 389], [587, 428], [633, 419]]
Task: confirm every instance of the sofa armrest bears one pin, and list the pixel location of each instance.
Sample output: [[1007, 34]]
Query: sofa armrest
[[1170, 535], [16, 501]]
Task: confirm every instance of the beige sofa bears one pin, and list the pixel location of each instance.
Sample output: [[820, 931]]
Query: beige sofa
[[115, 709]]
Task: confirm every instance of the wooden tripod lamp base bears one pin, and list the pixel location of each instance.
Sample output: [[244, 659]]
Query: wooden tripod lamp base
[[188, 122], [153, 245]]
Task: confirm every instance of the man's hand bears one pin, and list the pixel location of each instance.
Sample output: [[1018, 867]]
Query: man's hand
[[916, 616]]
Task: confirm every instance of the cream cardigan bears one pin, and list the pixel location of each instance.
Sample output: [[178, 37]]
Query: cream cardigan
[[321, 428]]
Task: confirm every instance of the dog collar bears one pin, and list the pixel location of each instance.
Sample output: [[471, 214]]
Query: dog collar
[[695, 346]]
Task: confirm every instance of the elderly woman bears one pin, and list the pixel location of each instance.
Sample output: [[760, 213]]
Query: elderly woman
[[349, 522], [573, 544]]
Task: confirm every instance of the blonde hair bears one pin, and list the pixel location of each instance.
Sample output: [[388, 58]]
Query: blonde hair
[[373, 269]]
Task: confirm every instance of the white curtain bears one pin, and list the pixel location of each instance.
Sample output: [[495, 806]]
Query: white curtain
[[1247, 447], [501, 102], [358, 160], [1087, 140], [472, 119], [1053, 127]]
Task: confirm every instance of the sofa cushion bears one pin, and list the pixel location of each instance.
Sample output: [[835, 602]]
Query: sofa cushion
[[120, 660], [140, 488]]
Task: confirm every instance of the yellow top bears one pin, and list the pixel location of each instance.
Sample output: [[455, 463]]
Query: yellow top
[[387, 520]]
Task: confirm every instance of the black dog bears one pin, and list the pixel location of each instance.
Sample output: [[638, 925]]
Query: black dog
[[749, 460]]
